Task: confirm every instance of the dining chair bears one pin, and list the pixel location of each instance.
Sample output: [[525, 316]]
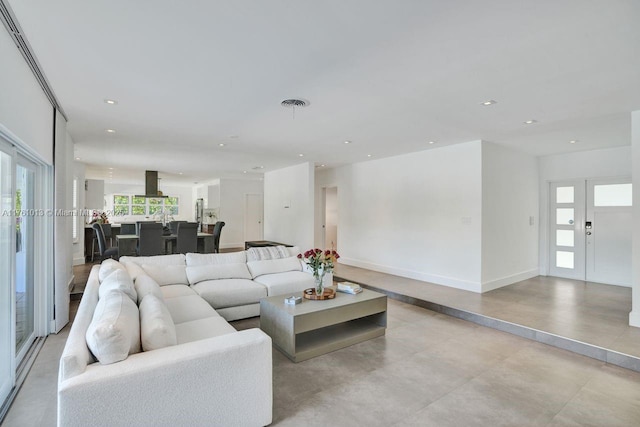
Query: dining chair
[[173, 226], [127, 228], [150, 241], [138, 223], [217, 230], [105, 252], [187, 240]]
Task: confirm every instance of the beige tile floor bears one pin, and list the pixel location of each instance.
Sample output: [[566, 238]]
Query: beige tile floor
[[429, 369], [583, 311]]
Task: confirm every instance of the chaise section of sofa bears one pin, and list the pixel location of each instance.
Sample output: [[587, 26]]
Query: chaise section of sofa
[[206, 378]]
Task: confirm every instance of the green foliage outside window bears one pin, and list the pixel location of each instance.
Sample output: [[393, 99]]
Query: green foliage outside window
[[125, 205]]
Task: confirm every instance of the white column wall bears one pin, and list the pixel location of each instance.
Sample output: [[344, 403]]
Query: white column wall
[[634, 316], [289, 205], [63, 238], [610, 162], [78, 245], [416, 215], [509, 216]]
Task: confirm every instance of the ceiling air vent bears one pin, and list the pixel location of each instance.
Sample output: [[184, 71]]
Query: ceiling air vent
[[294, 103]]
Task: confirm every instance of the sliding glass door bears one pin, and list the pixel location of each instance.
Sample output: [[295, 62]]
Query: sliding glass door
[[7, 368], [25, 213]]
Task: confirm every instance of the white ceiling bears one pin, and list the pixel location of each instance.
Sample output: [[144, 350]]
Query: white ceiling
[[388, 75]]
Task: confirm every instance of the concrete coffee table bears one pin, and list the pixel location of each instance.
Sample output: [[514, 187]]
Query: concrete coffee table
[[313, 328]]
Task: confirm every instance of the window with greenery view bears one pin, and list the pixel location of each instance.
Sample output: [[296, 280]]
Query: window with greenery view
[[133, 205], [121, 205]]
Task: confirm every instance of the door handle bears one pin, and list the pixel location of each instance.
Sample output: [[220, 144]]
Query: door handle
[[588, 233]]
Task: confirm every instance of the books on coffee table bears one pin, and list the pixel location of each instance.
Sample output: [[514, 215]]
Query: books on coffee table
[[349, 288]]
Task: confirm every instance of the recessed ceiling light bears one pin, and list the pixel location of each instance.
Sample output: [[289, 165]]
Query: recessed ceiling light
[[368, 155], [110, 130], [347, 142], [321, 166], [573, 141], [179, 173], [77, 158], [300, 155], [221, 144], [489, 102], [110, 169], [244, 171], [432, 142], [110, 101], [530, 122]]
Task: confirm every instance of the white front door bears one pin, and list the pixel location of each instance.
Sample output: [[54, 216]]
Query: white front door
[[566, 223], [590, 230]]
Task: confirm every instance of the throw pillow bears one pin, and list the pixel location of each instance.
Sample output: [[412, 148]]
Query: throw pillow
[[268, 252], [157, 329], [107, 267], [119, 280], [145, 285], [114, 332], [270, 266]]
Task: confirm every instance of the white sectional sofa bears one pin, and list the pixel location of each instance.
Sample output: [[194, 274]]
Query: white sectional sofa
[[151, 345]]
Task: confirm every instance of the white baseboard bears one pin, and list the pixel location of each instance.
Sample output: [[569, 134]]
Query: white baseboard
[[78, 261], [452, 282], [508, 280], [71, 282]]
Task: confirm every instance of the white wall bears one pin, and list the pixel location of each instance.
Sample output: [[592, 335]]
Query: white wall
[[416, 215], [213, 196], [289, 205], [24, 109], [509, 205], [610, 162], [186, 202], [634, 316], [232, 209]]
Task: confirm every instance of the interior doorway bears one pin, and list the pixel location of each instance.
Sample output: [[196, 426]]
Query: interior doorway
[[590, 230], [253, 217], [330, 226]]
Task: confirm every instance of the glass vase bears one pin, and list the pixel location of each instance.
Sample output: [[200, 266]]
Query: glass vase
[[319, 284]]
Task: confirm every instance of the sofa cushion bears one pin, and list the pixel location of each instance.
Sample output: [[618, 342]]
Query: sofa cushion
[[188, 308], [267, 252], [167, 274], [176, 259], [114, 332], [172, 291], [271, 266], [199, 273], [202, 329], [107, 267], [145, 285], [118, 280], [207, 259], [286, 283], [156, 325], [230, 292]]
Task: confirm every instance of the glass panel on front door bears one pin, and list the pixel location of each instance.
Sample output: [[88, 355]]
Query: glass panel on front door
[[564, 216], [565, 238], [564, 195]]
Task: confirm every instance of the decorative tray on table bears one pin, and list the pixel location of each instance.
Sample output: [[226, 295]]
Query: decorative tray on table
[[310, 293]]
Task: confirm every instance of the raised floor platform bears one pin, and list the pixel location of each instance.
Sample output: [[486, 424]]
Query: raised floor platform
[[583, 317]]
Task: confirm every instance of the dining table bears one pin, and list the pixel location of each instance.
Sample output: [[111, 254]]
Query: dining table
[[128, 243]]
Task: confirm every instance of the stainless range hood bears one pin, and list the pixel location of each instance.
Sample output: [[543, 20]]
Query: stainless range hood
[[151, 185]]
